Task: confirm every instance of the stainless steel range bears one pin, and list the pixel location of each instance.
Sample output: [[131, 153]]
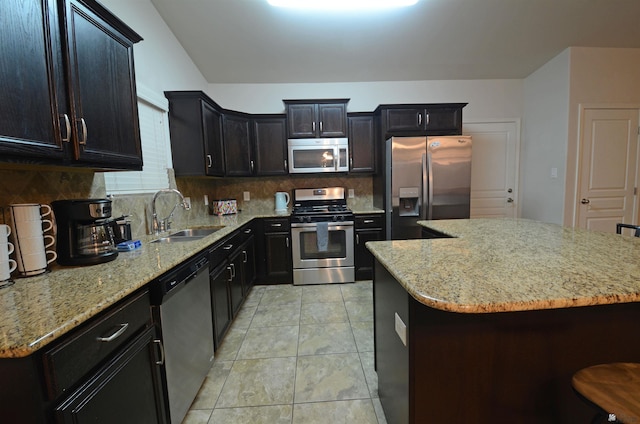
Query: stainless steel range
[[322, 237]]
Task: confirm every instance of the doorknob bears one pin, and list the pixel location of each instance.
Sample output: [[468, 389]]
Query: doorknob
[[510, 190], [509, 200], [585, 201]]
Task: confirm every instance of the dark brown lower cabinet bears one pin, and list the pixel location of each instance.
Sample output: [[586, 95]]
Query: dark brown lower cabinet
[[219, 280], [122, 391], [277, 251], [367, 228]]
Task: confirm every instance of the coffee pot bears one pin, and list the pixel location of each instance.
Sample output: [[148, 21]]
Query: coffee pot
[[85, 231], [282, 201]]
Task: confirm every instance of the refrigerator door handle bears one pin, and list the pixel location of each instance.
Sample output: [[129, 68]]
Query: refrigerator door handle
[[425, 188]]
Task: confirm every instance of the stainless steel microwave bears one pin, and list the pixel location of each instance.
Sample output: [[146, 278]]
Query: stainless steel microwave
[[318, 155]]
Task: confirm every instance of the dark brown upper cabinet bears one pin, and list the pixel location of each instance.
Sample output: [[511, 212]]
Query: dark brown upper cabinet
[[316, 118], [421, 119], [237, 144], [195, 125], [67, 84], [270, 144], [362, 152]]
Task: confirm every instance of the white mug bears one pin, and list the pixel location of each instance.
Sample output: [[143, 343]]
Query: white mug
[[5, 230], [6, 248], [32, 228], [6, 268], [31, 245], [29, 211], [35, 264]]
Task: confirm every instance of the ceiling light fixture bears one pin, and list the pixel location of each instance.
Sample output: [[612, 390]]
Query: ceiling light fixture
[[342, 4]]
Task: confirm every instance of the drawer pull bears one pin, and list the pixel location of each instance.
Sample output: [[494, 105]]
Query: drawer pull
[[161, 349], [228, 247], [247, 231], [118, 333], [276, 225], [368, 221]]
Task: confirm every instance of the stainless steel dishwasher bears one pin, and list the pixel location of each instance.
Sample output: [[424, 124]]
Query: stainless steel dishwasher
[[182, 306]]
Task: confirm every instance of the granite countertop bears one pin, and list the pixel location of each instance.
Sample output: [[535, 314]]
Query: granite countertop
[[37, 310], [503, 265]]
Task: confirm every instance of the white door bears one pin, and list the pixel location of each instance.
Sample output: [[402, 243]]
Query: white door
[[607, 168], [494, 168]]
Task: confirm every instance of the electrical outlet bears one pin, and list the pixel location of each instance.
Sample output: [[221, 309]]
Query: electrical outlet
[[206, 200], [246, 196], [187, 201], [554, 172], [352, 193], [401, 329]]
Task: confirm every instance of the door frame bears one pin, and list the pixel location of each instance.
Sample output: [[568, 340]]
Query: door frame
[[517, 122], [573, 199]]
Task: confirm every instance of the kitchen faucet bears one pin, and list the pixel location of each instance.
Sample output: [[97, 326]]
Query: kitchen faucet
[[159, 226]]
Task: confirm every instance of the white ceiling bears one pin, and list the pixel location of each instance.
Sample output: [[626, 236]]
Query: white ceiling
[[247, 41]]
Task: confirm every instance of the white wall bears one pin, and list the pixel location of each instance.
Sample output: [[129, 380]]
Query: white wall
[[161, 62], [598, 76], [488, 99], [544, 140]]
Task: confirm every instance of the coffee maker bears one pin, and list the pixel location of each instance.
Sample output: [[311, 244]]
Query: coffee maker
[[85, 231]]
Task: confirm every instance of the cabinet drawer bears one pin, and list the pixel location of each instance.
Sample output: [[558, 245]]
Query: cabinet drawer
[[88, 346], [369, 221], [276, 225]]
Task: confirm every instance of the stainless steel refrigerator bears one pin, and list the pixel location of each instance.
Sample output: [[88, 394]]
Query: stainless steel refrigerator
[[425, 178]]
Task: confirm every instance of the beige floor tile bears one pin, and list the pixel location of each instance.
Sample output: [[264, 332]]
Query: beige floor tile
[[321, 293], [270, 342], [367, 359], [361, 291], [230, 344], [212, 386], [281, 294], [244, 317], [276, 414], [359, 311], [379, 411], [259, 382], [317, 339], [363, 333], [318, 313], [253, 298], [276, 315], [197, 416], [342, 412], [330, 377]]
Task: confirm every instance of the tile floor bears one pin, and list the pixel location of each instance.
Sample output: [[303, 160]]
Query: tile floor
[[295, 355]]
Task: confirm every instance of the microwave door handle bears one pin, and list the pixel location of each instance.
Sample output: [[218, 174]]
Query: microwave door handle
[[336, 157]]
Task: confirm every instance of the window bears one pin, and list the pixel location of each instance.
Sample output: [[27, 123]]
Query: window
[[154, 135]]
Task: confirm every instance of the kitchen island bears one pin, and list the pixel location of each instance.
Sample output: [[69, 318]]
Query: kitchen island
[[490, 324]]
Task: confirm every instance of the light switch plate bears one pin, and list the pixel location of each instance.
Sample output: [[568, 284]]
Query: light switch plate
[[352, 193], [187, 201], [401, 329], [246, 196]]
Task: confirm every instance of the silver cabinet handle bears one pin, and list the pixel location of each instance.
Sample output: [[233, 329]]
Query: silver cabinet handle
[[233, 270], [276, 225], [209, 161], [285, 165], [83, 140], [228, 247], [320, 126], [161, 347], [419, 119], [251, 165], [248, 231], [313, 126], [115, 335], [67, 125], [245, 257], [230, 273], [368, 221], [350, 161], [357, 238], [287, 241], [427, 116]]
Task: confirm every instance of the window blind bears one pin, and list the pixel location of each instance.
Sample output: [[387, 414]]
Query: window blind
[[154, 135]]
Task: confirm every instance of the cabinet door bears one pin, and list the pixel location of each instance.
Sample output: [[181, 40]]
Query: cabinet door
[[363, 258], [249, 264], [213, 147], [31, 81], [236, 286], [278, 258], [270, 146], [443, 121], [102, 83], [301, 120], [219, 280], [238, 161], [125, 390], [333, 120], [361, 144], [409, 119]]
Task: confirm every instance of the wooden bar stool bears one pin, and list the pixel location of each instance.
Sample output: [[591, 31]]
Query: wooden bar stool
[[614, 388]]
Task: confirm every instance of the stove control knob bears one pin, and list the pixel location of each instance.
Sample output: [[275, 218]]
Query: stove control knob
[[308, 219], [340, 217]]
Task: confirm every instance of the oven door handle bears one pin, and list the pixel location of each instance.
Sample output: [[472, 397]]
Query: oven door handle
[[332, 225]]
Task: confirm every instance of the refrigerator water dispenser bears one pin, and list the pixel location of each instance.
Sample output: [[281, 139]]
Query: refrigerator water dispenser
[[409, 201]]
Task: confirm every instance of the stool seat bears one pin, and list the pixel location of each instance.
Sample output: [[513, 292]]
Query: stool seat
[[615, 388]]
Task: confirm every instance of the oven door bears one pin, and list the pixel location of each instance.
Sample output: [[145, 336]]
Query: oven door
[[318, 155], [307, 254]]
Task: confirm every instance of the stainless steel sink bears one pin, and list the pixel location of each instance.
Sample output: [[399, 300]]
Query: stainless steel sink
[[189, 234]]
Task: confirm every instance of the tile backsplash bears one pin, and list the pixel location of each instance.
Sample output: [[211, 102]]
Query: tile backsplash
[[42, 185]]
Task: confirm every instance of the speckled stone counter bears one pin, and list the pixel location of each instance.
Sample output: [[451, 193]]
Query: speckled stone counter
[[37, 310], [500, 265]]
